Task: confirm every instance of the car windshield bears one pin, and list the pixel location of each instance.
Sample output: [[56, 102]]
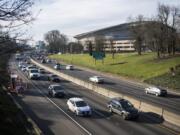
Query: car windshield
[[57, 88], [81, 104], [34, 71], [126, 104]]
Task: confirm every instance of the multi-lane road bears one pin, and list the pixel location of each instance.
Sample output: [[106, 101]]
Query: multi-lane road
[[170, 102], [52, 116]]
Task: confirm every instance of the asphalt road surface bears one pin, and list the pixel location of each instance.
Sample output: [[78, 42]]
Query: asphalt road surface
[[53, 117], [170, 102]]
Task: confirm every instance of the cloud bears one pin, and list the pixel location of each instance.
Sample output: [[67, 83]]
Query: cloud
[[73, 17]]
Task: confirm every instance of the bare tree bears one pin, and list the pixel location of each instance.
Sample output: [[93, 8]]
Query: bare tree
[[109, 42], [13, 14], [138, 30], [74, 47], [89, 47], [56, 41], [175, 12], [160, 33], [99, 41]]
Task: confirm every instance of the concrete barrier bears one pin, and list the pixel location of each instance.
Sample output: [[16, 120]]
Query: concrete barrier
[[171, 117], [143, 106], [146, 107]]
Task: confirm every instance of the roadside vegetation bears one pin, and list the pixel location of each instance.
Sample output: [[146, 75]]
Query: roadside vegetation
[[12, 120], [145, 67]]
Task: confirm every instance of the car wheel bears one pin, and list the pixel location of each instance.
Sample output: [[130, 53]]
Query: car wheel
[[124, 117], [146, 92], [157, 94]]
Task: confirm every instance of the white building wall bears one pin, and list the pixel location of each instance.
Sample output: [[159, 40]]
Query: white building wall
[[119, 45]]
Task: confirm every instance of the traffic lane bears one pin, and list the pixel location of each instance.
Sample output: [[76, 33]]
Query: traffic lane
[[47, 116], [95, 124], [84, 75], [99, 103], [171, 102], [100, 112], [109, 80]]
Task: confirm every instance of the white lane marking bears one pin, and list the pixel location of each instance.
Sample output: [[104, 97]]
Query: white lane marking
[[83, 128]]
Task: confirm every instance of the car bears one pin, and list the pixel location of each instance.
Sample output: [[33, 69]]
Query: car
[[96, 79], [28, 61], [21, 64], [48, 61], [33, 74], [156, 91], [69, 67], [23, 68], [41, 71], [123, 107], [43, 61], [54, 78], [79, 107], [30, 67], [55, 90], [57, 67]]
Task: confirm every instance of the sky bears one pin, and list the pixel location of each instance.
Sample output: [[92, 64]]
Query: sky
[[72, 17]]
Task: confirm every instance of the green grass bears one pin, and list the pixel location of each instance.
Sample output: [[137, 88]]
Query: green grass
[[131, 65]]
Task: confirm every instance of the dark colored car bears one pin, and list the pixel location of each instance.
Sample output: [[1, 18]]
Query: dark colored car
[[124, 108], [43, 61], [54, 78], [56, 90]]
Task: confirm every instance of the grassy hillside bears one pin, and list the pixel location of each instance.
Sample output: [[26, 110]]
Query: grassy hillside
[[145, 67]]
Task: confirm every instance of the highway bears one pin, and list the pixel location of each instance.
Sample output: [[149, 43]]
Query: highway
[[170, 102], [53, 117]]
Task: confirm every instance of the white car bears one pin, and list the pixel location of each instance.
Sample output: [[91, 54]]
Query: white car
[[96, 79], [69, 67], [20, 64], [34, 74], [79, 107], [57, 66], [156, 91], [30, 67]]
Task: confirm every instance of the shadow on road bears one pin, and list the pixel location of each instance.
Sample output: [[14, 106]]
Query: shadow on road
[[172, 96], [100, 114], [150, 118], [43, 124], [109, 83]]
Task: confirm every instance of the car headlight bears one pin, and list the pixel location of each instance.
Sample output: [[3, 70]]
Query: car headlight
[[78, 110]]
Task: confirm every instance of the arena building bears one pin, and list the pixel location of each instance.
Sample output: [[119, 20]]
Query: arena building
[[120, 36]]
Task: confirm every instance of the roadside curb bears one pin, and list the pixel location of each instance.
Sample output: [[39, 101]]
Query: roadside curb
[[37, 130]]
